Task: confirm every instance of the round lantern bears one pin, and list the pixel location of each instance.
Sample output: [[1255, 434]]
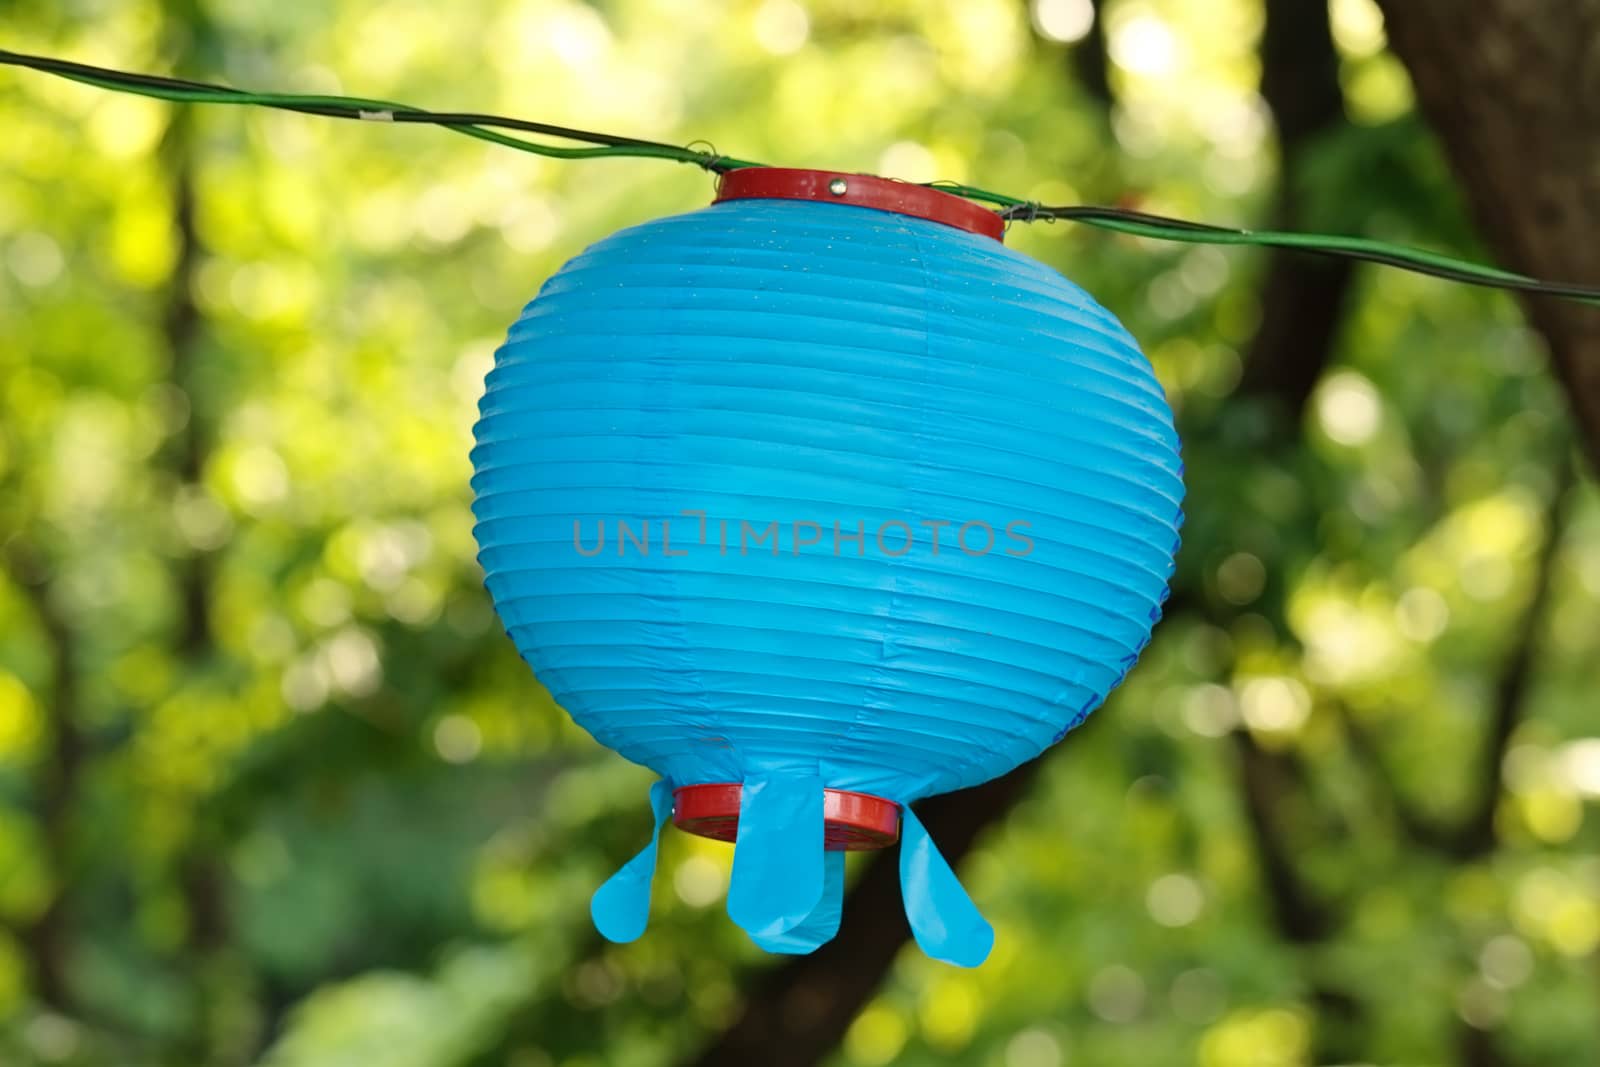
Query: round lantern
[[818, 501]]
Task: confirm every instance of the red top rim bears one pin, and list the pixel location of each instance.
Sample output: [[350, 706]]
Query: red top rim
[[861, 190]]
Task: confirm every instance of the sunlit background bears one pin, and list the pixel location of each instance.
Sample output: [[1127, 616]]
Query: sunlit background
[[275, 788]]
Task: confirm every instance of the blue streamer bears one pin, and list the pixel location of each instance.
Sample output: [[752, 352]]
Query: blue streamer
[[823, 922], [621, 907], [777, 879], [943, 918]]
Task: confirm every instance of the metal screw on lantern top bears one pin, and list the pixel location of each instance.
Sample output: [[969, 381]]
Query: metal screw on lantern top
[[770, 404]]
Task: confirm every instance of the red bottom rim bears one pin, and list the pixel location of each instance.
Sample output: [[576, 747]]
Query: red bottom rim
[[853, 822]]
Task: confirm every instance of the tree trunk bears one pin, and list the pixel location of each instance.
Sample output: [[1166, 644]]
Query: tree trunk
[[1513, 89], [1303, 297]]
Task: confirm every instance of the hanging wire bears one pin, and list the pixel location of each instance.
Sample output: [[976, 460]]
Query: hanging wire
[[592, 145], [483, 127]]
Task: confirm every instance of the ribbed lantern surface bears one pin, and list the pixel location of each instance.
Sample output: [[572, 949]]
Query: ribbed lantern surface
[[803, 495]]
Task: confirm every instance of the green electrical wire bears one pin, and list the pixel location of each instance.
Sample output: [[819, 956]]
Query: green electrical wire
[[592, 145], [349, 107]]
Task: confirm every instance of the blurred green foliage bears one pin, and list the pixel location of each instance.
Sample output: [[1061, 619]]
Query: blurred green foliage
[[273, 786]]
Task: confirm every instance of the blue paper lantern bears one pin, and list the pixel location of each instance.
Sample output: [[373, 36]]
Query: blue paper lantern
[[818, 501]]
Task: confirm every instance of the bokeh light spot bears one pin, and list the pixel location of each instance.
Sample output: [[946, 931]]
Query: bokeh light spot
[[1033, 1048], [699, 881], [1348, 408], [877, 1036], [457, 739], [1421, 614], [782, 27], [1116, 994], [1064, 21], [1174, 900]]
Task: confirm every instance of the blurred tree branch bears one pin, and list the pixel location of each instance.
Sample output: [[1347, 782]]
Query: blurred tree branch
[[1525, 149], [1474, 835], [181, 329], [196, 641], [1302, 301], [1088, 64], [48, 937], [1303, 298], [200, 878], [1087, 59], [1265, 781], [1090, 60]]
